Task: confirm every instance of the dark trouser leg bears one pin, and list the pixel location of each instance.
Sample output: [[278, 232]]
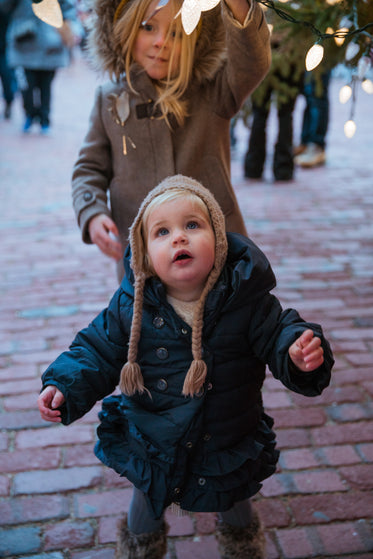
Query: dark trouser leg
[[139, 519], [45, 86], [256, 153], [29, 93], [283, 161], [316, 114], [8, 80]]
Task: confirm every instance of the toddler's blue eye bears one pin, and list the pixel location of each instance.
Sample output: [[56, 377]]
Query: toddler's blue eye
[[163, 231], [192, 225]]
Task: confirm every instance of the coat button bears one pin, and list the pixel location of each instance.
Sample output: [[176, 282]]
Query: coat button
[[189, 444], [162, 353], [158, 322], [162, 384], [177, 490], [201, 481], [209, 386], [206, 437], [184, 331], [87, 196]]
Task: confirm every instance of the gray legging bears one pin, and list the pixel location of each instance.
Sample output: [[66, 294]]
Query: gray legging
[[140, 522]]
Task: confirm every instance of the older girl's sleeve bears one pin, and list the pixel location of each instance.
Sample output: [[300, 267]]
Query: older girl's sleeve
[[92, 171], [249, 57], [90, 369]]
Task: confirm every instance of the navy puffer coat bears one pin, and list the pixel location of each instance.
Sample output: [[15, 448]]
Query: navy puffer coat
[[212, 450]]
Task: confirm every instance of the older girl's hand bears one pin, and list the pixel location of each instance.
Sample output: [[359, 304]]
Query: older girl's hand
[[103, 233]]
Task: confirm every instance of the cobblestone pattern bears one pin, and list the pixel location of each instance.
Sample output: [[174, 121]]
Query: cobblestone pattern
[[56, 500]]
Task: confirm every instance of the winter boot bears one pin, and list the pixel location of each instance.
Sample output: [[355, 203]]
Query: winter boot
[[241, 543], [140, 546]]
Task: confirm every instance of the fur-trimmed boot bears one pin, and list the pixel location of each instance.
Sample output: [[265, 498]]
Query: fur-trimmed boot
[[140, 546], [241, 543]]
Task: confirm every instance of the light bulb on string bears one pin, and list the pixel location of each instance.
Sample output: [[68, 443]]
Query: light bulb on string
[[341, 39], [367, 86], [344, 94], [349, 128], [191, 12], [352, 50], [314, 56], [48, 11], [363, 66]]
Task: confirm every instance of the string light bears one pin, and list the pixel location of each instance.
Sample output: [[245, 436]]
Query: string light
[[314, 56], [191, 12], [367, 86], [349, 128], [345, 93], [48, 11], [363, 66], [352, 50]]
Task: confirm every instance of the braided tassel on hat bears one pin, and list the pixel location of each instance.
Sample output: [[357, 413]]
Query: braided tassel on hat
[[131, 379]]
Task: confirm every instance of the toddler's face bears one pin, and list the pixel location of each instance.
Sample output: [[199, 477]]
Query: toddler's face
[[156, 41], [181, 247]]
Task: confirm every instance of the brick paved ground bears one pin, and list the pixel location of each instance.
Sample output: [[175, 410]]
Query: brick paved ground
[[56, 500]]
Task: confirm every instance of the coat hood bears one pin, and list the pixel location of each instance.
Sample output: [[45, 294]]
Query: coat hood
[[210, 49]]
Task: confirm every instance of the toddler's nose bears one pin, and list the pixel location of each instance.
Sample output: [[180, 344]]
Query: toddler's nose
[[179, 237]]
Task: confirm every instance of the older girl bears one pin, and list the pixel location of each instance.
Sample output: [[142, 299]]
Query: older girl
[[166, 110]]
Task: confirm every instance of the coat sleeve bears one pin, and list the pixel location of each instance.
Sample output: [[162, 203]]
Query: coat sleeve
[[90, 369], [248, 60], [272, 331], [92, 171]]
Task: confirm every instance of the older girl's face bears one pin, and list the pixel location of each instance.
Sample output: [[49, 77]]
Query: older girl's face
[[156, 41]]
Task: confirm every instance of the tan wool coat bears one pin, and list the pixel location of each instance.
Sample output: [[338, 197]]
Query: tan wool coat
[[125, 154]]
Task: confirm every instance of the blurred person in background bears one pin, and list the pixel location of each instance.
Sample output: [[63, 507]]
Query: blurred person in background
[[39, 50], [311, 151], [8, 79]]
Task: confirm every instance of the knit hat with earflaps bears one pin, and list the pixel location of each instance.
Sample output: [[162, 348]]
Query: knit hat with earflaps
[[131, 379]]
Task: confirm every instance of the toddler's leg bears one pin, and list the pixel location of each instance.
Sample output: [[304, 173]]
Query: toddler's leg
[[240, 533], [141, 536]]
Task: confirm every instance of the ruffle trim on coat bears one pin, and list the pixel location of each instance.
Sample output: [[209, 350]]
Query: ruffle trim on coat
[[214, 484]]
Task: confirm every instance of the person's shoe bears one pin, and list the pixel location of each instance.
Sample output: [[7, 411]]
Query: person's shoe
[[7, 111], [313, 156], [299, 149], [45, 129], [27, 125], [283, 176]]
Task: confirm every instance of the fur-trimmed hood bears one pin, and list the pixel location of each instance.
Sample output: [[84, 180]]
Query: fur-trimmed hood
[[106, 58]]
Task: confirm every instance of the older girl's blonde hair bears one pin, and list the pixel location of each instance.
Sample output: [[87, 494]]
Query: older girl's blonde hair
[[127, 23]]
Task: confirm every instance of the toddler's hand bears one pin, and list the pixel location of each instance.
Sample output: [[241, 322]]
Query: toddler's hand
[[50, 399], [306, 352]]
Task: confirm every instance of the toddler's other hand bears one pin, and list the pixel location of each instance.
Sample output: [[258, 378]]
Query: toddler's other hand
[[50, 399], [306, 352]]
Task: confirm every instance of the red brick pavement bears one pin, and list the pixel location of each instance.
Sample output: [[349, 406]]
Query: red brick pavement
[[56, 500]]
